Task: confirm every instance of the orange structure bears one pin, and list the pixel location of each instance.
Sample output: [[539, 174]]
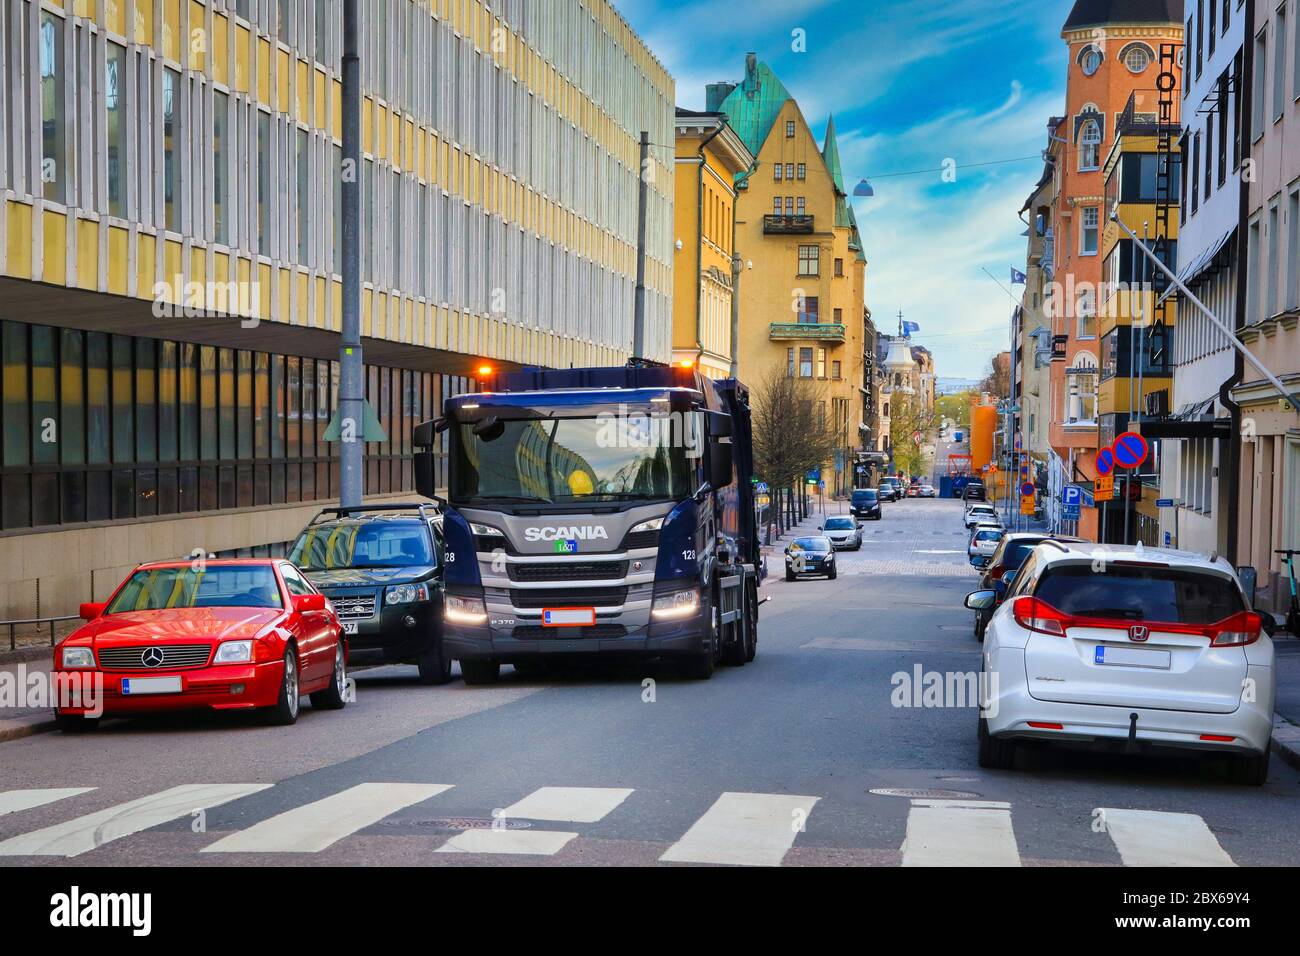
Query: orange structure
[[1113, 51]]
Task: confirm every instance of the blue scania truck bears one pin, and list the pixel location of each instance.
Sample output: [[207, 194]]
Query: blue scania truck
[[596, 512]]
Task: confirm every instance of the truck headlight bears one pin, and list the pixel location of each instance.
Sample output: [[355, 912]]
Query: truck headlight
[[464, 610], [406, 593], [654, 524], [234, 652], [678, 604], [78, 657], [485, 530]]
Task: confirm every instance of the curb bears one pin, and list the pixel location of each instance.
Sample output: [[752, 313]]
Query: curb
[[1286, 740], [21, 727], [25, 654]]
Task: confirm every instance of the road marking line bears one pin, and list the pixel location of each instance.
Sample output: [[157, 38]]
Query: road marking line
[[322, 823], [1159, 838], [532, 842], [95, 829], [955, 833], [568, 804], [964, 804], [12, 801], [744, 829]]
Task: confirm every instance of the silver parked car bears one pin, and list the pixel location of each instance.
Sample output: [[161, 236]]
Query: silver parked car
[[845, 533]]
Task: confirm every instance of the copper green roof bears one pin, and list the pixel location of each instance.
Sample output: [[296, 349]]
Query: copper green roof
[[753, 106], [831, 153]]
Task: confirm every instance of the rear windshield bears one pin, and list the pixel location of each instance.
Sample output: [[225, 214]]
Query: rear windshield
[[1172, 595], [988, 536], [840, 524], [810, 544]]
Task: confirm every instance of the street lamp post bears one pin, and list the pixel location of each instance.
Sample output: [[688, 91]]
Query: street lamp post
[[351, 375]]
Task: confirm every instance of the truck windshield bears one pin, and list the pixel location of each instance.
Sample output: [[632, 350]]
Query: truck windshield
[[603, 458], [362, 544]]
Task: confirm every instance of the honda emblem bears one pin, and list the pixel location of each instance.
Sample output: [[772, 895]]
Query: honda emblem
[[1138, 632]]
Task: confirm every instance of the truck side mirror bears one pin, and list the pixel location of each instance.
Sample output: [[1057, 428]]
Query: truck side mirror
[[720, 464], [424, 480], [422, 436]]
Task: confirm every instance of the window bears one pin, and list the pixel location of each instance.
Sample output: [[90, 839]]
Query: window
[[1293, 252], [835, 369], [839, 267], [1090, 145], [789, 362], [808, 310], [1209, 156], [821, 363], [55, 158], [839, 316], [1261, 72], [115, 127], [171, 136], [1137, 57], [1222, 154], [789, 129], [1200, 34], [1082, 399], [1238, 118], [805, 363], [1295, 58], [789, 171], [1274, 259], [809, 260], [1196, 171], [776, 205], [303, 199], [1089, 231], [1086, 313], [801, 171], [219, 159], [1252, 274], [1210, 34], [1279, 64], [264, 183], [777, 170], [802, 205], [1090, 60], [789, 205]]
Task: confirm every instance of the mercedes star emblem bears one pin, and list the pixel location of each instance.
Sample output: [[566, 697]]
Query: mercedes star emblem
[[152, 657]]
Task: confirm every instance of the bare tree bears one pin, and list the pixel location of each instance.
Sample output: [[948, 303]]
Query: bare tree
[[997, 381], [793, 431]]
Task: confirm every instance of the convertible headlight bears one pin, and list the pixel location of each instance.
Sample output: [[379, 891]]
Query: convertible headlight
[[464, 610], [678, 604], [78, 657], [406, 593], [234, 652], [654, 524]]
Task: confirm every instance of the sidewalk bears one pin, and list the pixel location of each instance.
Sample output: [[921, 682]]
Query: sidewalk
[[16, 722], [1286, 728]]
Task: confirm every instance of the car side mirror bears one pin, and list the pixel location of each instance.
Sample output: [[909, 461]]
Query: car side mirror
[[306, 603], [91, 610], [981, 600]]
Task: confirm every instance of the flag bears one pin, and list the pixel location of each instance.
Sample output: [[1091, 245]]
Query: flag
[[910, 327], [1017, 276]]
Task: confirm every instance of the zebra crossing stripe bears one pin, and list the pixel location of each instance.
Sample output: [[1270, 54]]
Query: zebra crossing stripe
[[12, 801], [491, 840], [744, 829], [1160, 838], [322, 823], [87, 832], [568, 804], [960, 833]]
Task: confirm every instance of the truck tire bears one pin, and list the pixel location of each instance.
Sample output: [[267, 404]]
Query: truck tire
[[480, 672], [702, 665], [434, 665], [751, 622], [733, 651]]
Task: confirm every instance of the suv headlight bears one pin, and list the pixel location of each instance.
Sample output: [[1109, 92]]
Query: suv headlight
[[406, 593], [78, 657], [678, 604], [654, 524], [464, 610], [234, 652]]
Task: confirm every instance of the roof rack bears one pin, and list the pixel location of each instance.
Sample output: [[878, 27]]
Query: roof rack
[[421, 506], [1056, 544]]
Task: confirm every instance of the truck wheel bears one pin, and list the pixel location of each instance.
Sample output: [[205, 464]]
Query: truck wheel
[[480, 672], [701, 666], [435, 665], [751, 623], [733, 652]]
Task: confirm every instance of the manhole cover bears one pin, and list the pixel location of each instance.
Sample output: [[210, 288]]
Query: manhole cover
[[923, 794], [461, 823]]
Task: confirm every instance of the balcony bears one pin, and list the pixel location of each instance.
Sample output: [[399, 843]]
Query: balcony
[[787, 225], [807, 331]]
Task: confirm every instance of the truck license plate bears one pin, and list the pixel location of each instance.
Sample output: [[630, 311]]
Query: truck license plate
[[568, 616]]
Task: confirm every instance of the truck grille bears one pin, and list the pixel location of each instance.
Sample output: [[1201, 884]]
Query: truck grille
[[357, 607], [568, 597], [568, 571], [535, 632], [641, 539], [173, 656]]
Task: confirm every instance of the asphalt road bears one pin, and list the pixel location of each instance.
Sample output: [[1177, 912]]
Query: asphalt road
[[771, 763]]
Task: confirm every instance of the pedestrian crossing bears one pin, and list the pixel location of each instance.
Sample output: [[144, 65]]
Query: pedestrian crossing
[[737, 829]]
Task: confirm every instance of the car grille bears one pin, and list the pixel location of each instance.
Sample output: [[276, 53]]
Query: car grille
[[641, 539], [568, 571], [568, 597], [356, 607], [173, 656], [535, 632]]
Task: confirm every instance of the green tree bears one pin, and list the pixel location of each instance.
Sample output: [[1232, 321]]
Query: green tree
[[912, 425]]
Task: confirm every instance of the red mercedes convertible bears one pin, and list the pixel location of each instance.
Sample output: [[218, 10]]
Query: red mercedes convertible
[[223, 635]]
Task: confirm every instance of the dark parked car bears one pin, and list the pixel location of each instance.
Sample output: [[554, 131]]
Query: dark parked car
[[974, 491], [1007, 558], [865, 504], [813, 554], [381, 566]]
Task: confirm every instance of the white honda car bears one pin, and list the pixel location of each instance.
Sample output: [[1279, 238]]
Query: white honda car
[[1127, 648]]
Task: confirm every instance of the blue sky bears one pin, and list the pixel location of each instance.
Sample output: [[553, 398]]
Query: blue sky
[[911, 84]]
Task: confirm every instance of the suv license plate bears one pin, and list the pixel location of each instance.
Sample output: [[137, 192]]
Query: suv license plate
[[349, 627], [568, 616]]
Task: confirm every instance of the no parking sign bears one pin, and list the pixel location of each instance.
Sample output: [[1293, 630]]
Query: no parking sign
[[1130, 450]]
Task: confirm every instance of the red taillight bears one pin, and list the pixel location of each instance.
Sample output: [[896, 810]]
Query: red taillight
[[1236, 631], [1045, 726], [1219, 738], [1039, 616]]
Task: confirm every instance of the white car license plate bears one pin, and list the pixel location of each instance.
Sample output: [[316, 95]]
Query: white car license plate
[[1132, 657], [568, 616], [133, 686], [349, 627]]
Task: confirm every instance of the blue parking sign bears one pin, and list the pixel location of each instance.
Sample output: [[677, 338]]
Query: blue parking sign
[[1072, 495]]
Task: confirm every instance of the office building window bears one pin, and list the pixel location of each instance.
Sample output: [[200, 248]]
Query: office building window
[[809, 260], [171, 108], [264, 183], [220, 121], [304, 198], [115, 126], [55, 157]]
